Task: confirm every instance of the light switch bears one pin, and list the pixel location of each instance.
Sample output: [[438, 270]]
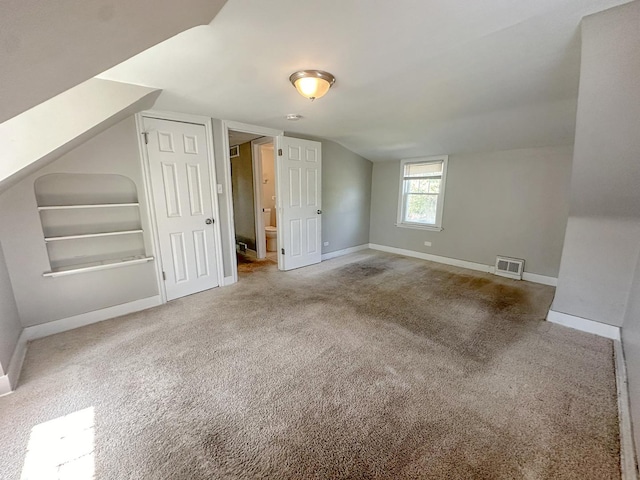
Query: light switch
[[219, 189]]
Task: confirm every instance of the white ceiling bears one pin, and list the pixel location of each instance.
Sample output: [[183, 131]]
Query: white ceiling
[[47, 47], [414, 77]]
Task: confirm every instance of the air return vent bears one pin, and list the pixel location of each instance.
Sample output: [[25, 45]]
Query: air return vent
[[509, 267]]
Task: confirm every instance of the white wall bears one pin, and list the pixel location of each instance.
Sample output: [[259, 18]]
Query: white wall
[[603, 233], [40, 299], [600, 274], [10, 326], [512, 203]]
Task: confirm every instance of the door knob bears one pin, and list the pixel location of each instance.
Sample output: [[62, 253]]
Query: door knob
[[319, 212], [209, 221]]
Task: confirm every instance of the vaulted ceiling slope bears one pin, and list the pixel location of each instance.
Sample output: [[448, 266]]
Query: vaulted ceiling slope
[[41, 134], [414, 77], [47, 47]]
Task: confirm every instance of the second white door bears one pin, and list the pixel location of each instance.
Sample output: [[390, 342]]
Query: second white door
[[181, 184], [299, 198]]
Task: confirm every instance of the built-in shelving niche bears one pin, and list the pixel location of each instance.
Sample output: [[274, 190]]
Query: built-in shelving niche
[[90, 222]]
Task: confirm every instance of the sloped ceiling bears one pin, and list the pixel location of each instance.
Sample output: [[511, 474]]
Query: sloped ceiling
[[47, 47], [41, 134], [414, 77]]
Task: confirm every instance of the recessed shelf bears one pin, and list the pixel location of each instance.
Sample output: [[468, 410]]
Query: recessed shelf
[[75, 207], [90, 222], [93, 266], [91, 235]]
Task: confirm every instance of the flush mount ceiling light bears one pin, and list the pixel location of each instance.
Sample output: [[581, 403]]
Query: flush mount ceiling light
[[312, 84], [293, 117]]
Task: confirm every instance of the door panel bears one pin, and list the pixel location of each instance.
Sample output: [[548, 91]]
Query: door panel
[[180, 181], [300, 191]]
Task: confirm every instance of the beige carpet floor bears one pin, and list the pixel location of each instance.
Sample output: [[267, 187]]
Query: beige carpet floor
[[367, 366]]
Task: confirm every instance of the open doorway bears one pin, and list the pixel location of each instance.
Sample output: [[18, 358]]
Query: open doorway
[[253, 185], [264, 181]]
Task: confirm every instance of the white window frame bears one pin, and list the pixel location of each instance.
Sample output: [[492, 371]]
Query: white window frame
[[437, 226]]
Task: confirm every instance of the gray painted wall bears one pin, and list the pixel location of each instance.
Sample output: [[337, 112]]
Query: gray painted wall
[[600, 274], [41, 299], [512, 203], [243, 201], [346, 197], [603, 233], [10, 327]]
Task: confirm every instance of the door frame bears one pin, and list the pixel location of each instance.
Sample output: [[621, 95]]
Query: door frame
[[228, 192], [148, 189], [256, 150]]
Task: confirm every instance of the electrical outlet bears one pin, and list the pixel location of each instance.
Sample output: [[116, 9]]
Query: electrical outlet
[[427, 244], [326, 244]]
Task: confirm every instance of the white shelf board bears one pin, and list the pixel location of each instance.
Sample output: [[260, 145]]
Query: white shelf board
[[94, 266], [99, 205], [91, 235]]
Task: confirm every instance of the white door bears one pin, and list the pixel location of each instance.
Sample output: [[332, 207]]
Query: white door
[[299, 199], [181, 184]]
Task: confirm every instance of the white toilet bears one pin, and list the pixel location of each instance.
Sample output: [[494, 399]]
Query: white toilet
[[270, 231]]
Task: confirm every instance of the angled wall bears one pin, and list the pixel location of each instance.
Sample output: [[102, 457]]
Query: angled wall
[[602, 240], [36, 137], [10, 326], [49, 47], [44, 299], [600, 271]]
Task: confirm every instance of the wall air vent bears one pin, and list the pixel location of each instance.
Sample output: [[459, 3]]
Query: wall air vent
[[509, 267]]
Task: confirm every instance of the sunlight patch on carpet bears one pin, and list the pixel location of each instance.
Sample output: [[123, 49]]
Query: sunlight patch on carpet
[[62, 448]]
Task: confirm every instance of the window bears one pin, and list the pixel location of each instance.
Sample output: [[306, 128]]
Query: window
[[422, 182]]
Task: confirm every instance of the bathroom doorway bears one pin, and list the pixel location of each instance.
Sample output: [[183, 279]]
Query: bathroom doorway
[[253, 185], [264, 181]]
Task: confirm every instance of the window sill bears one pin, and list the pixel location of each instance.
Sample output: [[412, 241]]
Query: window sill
[[431, 228]]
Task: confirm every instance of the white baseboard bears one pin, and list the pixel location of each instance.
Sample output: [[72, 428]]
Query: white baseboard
[[5, 385], [226, 281], [9, 382], [628, 464], [584, 325], [434, 258], [480, 267], [543, 279], [344, 251], [58, 326]]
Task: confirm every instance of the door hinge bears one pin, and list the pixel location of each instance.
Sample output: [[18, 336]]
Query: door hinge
[[279, 152], [164, 276], [282, 250], [146, 137]]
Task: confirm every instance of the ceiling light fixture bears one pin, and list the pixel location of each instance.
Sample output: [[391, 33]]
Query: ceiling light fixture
[[312, 84], [294, 117]]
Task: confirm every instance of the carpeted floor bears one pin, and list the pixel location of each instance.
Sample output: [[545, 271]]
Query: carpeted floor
[[365, 366]]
